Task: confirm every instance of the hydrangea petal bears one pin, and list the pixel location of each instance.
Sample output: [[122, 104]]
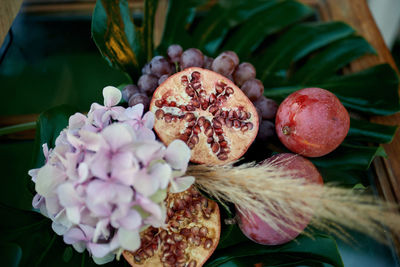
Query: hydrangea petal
[[48, 178], [145, 134], [79, 246], [145, 184], [112, 96], [148, 120], [177, 154], [91, 141], [101, 229], [73, 214], [118, 135], [99, 250], [68, 196], [59, 228], [100, 164], [76, 121], [147, 151], [83, 172], [74, 235], [135, 112], [161, 172], [180, 184], [132, 220], [129, 240], [106, 259]]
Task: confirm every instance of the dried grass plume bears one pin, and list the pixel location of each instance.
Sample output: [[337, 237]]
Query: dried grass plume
[[273, 195]]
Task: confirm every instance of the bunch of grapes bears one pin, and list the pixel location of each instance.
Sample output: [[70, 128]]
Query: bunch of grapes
[[227, 64]]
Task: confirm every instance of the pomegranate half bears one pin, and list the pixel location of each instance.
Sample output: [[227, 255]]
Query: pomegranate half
[[208, 112], [191, 235]]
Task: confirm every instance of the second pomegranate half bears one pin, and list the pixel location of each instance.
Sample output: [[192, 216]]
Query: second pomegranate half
[[208, 112]]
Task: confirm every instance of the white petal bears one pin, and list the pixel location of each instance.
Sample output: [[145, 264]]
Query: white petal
[[83, 171], [99, 250], [148, 119], [129, 240], [48, 178], [73, 214], [112, 96], [118, 135], [134, 112], [76, 121], [177, 155], [92, 141], [101, 229], [180, 184], [79, 246], [145, 184], [68, 196], [106, 259], [162, 172], [58, 228], [149, 151]]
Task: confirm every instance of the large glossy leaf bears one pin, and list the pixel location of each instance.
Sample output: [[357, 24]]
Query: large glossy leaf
[[179, 16], [372, 91], [296, 43], [362, 130], [212, 29], [270, 20], [331, 59], [320, 248], [116, 37]]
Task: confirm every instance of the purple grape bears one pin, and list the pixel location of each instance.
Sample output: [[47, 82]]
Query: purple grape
[[223, 64], [146, 69], [267, 106], [253, 88], [174, 53], [128, 91], [244, 72], [191, 58], [148, 83], [233, 56], [266, 130], [139, 98], [208, 62], [162, 79], [160, 66]]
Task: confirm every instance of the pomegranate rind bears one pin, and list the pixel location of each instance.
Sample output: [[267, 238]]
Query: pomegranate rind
[[312, 122], [261, 232], [173, 90], [195, 252]]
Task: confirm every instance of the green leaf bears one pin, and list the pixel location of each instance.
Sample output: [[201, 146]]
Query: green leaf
[[348, 157], [49, 125], [179, 16], [10, 254], [116, 37], [150, 7], [270, 20], [372, 91], [362, 130], [213, 28], [331, 59], [296, 43], [320, 248]]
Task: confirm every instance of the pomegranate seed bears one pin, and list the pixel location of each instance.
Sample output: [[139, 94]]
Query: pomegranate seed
[[207, 124], [203, 231], [236, 123], [190, 91], [208, 243], [196, 85], [159, 103], [195, 230], [218, 131], [212, 99], [220, 138], [196, 129], [184, 80], [222, 156], [192, 123], [209, 132], [215, 147], [189, 116], [223, 143], [244, 128], [201, 121], [168, 117], [190, 108], [159, 114], [192, 263], [213, 109], [210, 140], [229, 90], [195, 75], [228, 123], [249, 125], [216, 123], [194, 139]]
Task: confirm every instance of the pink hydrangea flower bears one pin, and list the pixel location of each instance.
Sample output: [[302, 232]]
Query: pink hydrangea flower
[[103, 170]]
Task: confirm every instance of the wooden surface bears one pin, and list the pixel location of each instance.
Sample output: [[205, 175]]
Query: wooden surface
[[357, 14], [8, 10]]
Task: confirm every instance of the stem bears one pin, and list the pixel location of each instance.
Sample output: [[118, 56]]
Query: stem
[[17, 128]]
